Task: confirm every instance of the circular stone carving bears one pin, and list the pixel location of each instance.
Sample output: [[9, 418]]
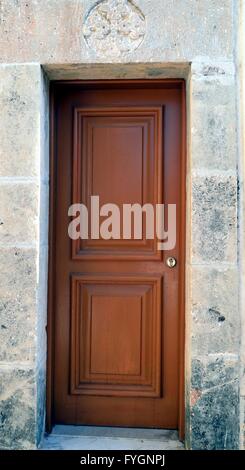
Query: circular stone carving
[[114, 27]]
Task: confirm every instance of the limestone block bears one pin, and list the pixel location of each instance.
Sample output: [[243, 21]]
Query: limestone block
[[19, 120], [214, 123], [18, 284], [51, 31], [214, 403], [214, 218], [17, 412], [215, 324], [19, 203]]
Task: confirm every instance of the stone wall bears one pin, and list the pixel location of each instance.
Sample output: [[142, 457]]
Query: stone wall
[[214, 323], [195, 40], [23, 254]]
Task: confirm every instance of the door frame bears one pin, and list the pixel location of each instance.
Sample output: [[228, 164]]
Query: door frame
[[52, 209]]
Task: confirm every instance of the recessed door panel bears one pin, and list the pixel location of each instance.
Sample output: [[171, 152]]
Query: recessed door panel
[[121, 146], [116, 336]]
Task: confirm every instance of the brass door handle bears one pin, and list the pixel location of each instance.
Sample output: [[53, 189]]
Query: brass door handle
[[171, 262]]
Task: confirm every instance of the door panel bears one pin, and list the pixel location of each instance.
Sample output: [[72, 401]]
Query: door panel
[[116, 341], [115, 338], [122, 146]]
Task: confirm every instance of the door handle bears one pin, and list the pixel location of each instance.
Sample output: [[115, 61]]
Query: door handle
[[171, 262]]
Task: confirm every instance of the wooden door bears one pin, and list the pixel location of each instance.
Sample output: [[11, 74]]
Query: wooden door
[[116, 303]]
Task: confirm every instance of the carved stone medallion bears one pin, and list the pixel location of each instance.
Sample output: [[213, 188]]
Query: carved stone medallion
[[114, 27]]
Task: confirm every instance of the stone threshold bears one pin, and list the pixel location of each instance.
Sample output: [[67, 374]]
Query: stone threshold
[[108, 438]]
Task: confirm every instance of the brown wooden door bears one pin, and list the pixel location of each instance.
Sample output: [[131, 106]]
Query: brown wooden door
[[116, 330]]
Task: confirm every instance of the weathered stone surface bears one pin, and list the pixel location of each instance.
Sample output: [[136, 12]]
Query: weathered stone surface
[[212, 68], [105, 71], [19, 204], [215, 320], [40, 404], [41, 342], [20, 120], [43, 213], [214, 218], [242, 422], [17, 411], [44, 110], [215, 403], [51, 31], [18, 285], [242, 383], [84, 438], [214, 419], [213, 370], [213, 127]]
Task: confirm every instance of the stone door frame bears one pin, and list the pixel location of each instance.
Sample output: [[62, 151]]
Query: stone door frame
[[202, 356]]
